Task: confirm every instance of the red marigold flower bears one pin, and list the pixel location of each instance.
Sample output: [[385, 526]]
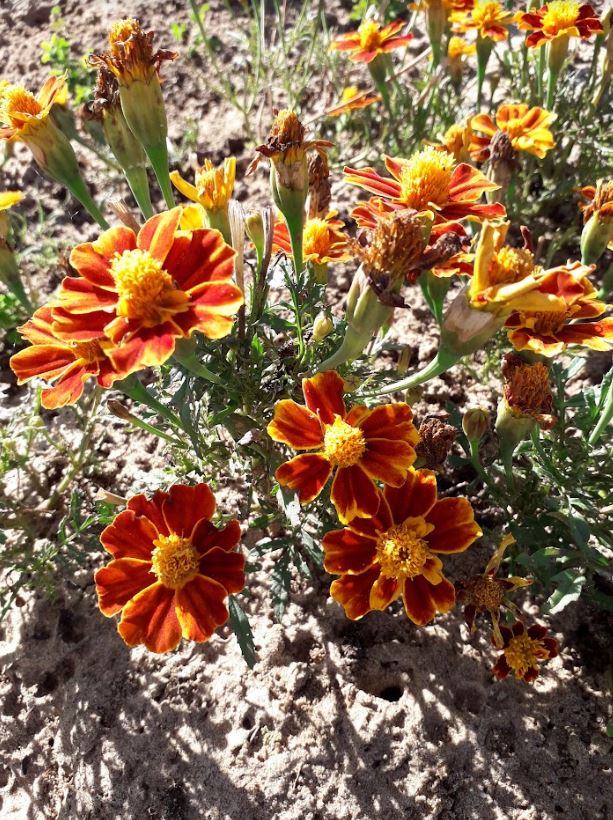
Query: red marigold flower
[[171, 570], [68, 364], [363, 446], [523, 650], [429, 180], [371, 39], [560, 18], [551, 332], [396, 552], [154, 288]]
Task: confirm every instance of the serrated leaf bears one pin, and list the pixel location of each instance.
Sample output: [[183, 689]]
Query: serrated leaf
[[242, 629]]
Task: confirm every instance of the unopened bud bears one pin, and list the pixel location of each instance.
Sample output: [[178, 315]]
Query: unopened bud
[[475, 423], [322, 326]]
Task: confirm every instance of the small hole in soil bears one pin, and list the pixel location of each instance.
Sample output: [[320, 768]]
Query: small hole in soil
[[247, 722], [391, 693]]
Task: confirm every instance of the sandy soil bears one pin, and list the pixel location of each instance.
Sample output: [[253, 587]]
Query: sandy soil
[[338, 720]]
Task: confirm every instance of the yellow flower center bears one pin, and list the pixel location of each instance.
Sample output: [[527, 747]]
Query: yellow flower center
[[425, 178], [543, 323], [523, 652], [17, 100], [316, 238], [487, 13], [344, 445], [174, 560], [141, 281], [560, 15], [402, 551], [120, 33], [370, 35], [87, 351], [510, 265]]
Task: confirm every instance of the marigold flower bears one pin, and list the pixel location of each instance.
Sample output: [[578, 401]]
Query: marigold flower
[[487, 17], [549, 332], [560, 18], [523, 650], [527, 391], [430, 180], [362, 445], [23, 114], [172, 569], [371, 39], [597, 232], [323, 240], [212, 191], [527, 128], [396, 551], [456, 141], [352, 99], [68, 364], [131, 57], [152, 289], [457, 50]]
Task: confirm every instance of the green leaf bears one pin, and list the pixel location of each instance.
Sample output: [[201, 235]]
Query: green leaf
[[242, 629], [570, 584]]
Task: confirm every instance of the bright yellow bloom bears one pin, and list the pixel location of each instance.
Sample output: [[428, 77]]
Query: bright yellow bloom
[[24, 115], [9, 198], [457, 140], [323, 240], [527, 128], [488, 18], [213, 186]]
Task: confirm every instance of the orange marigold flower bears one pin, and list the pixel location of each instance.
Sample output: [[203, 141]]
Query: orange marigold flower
[[549, 332], [429, 180], [352, 100], [323, 239], [487, 17], [152, 289], [69, 364], [560, 18], [527, 128], [457, 50], [371, 39], [523, 650], [22, 113], [213, 186], [396, 551], [172, 569], [362, 445]]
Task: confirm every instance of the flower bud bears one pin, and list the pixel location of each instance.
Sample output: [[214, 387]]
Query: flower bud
[[322, 326], [597, 232], [475, 423]]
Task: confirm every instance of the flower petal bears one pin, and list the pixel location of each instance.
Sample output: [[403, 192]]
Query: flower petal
[[201, 608], [347, 552], [393, 421], [383, 592], [352, 592], [129, 536], [93, 259], [323, 395], [199, 258], [387, 461], [206, 536], [227, 568], [150, 508], [455, 527], [149, 618], [306, 474], [415, 497], [354, 494], [119, 581], [295, 425], [185, 506], [158, 233], [422, 600]]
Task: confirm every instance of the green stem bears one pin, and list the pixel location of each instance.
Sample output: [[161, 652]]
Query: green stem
[[139, 185], [79, 190], [295, 225], [158, 156], [443, 360], [540, 73], [185, 355], [605, 416], [484, 49], [552, 81]]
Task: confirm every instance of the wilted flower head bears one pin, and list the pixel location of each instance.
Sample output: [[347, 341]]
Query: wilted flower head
[[436, 441], [527, 390], [320, 194], [597, 232], [213, 186], [131, 56]]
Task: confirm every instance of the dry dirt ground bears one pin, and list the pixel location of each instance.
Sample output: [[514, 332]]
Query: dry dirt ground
[[338, 720]]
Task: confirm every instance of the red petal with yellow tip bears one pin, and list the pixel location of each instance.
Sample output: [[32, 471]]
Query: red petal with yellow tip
[[158, 233], [455, 527], [129, 536], [185, 506], [68, 389], [295, 425], [347, 552], [306, 474], [323, 395], [150, 619], [199, 258], [353, 592], [93, 259], [422, 600], [354, 494], [383, 592], [227, 568], [200, 608], [392, 421], [119, 581], [387, 461]]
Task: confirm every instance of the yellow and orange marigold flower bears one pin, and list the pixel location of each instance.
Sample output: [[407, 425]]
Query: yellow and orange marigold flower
[[523, 650], [151, 289], [560, 18], [323, 240], [456, 141], [361, 445], [371, 39], [397, 551], [213, 186], [429, 180], [551, 331], [457, 50], [172, 569], [487, 17], [527, 129], [68, 364], [21, 113], [352, 99]]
